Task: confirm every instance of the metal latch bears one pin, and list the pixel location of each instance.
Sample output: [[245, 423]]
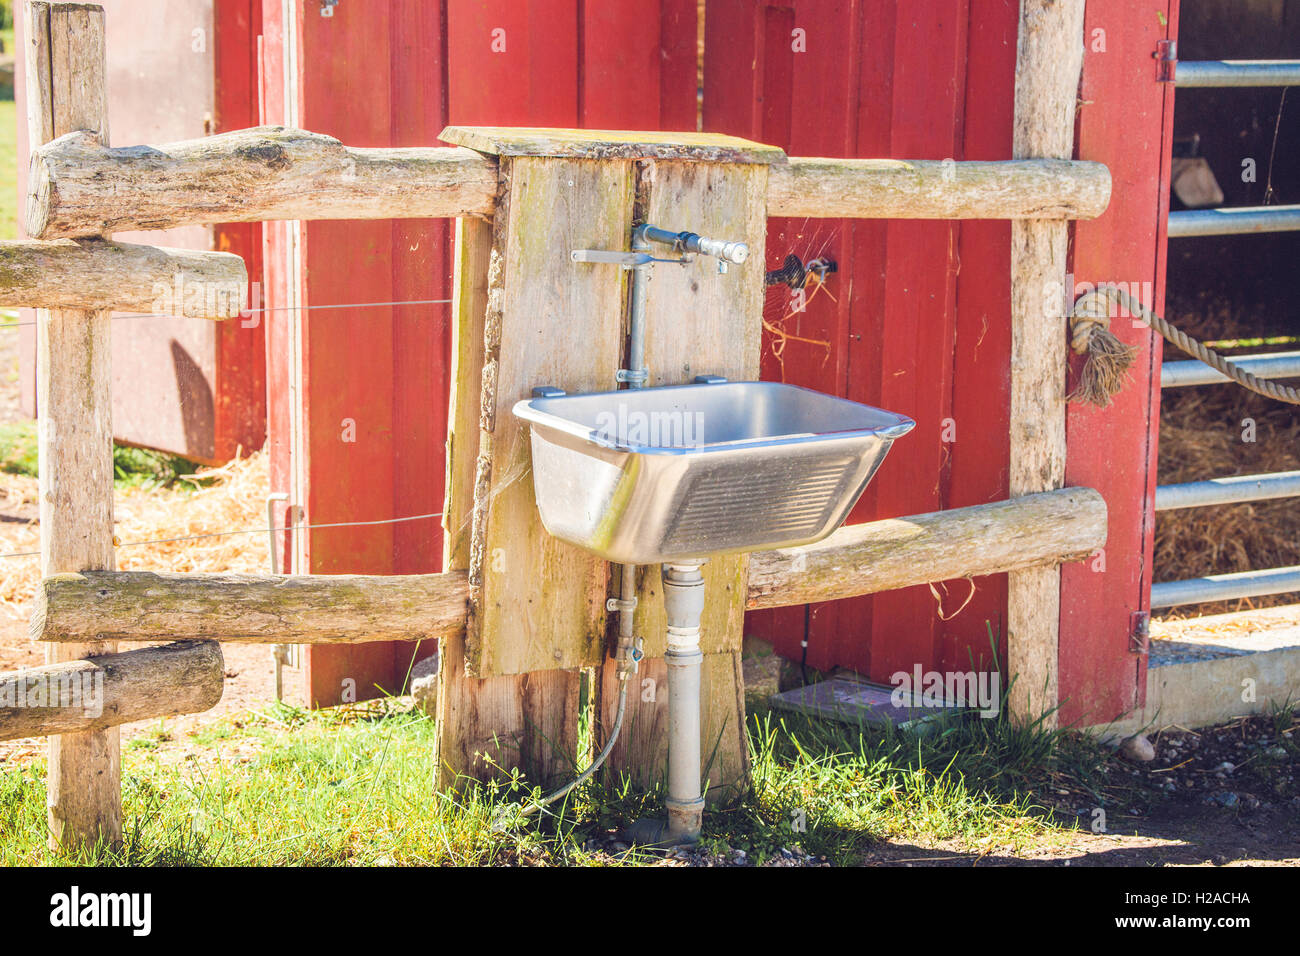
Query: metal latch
[[1166, 56], [627, 260], [1139, 632]]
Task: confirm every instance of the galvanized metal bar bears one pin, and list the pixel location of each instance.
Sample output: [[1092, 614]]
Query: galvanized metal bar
[[1225, 587], [1226, 73], [1233, 222], [1224, 491], [1182, 373]]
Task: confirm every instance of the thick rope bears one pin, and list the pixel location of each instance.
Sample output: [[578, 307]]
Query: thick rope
[[1084, 326]]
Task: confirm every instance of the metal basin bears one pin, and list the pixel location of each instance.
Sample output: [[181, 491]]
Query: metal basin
[[647, 476]]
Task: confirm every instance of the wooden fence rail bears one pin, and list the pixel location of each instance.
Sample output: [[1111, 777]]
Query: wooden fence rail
[[94, 274], [1031, 531], [112, 689], [79, 187]]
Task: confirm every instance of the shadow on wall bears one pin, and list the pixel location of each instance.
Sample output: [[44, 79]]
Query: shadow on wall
[[198, 409]]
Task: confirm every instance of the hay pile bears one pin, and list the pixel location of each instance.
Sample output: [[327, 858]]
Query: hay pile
[[229, 498]]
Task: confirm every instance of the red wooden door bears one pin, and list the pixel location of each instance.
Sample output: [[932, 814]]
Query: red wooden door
[[927, 80], [358, 423], [1126, 122]]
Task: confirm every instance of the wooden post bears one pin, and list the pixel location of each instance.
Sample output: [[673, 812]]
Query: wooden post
[[1049, 58], [66, 92], [537, 605]]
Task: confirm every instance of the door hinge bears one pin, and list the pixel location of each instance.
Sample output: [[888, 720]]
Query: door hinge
[[1166, 57], [1139, 632]]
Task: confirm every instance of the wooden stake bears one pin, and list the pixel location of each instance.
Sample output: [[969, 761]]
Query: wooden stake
[[66, 73], [1049, 58]]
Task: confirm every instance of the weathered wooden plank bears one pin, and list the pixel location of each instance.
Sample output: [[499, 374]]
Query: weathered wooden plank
[[1033, 530], [537, 603], [78, 187], [468, 309], [697, 322], [66, 92], [938, 189], [1037, 530], [124, 277], [101, 692], [246, 608], [1049, 57], [486, 726], [605, 144]]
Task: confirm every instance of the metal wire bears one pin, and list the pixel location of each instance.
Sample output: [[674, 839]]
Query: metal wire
[[222, 534], [248, 312]]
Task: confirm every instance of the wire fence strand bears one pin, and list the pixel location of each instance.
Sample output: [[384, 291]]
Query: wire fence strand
[[223, 534]]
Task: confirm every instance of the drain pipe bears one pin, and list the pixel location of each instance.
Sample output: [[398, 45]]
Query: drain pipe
[[683, 606]]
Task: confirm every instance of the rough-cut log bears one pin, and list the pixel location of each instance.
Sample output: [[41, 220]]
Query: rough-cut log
[[933, 189], [102, 692], [1049, 59], [1035, 530], [100, 274], [76, 187], [67, 90], [293, 609]]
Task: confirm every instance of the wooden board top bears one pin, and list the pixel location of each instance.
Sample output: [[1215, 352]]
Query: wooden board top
[[611, 144]]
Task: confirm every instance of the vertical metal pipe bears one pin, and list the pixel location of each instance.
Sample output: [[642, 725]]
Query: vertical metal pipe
[[636, 362], [683, 606]]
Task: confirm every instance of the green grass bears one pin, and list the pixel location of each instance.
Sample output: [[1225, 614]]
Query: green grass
[[354, 786], [131, 466], [8, 165]]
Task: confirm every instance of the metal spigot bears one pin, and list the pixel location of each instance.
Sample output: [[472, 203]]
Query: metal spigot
[[690, 243]]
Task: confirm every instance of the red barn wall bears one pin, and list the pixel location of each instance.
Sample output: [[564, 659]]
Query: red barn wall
[[918, 322]]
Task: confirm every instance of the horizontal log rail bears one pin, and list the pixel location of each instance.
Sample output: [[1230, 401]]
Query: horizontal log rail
[[1047, 528], [98, 274], [937, 189], [248, 608], [78, 187], [1038, 529], [100, 692]]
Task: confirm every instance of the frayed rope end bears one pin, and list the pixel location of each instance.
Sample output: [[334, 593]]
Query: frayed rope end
[[1106, 368]]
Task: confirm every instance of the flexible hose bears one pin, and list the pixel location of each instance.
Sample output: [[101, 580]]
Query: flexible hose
[[595, 764], [1260, 386]]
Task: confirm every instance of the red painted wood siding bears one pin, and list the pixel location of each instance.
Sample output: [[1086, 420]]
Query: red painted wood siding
[[919, 323], [1126, 121], [395, 73]]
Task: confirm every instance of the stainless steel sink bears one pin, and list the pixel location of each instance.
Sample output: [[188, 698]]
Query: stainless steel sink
[[652, 475]]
